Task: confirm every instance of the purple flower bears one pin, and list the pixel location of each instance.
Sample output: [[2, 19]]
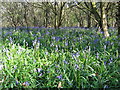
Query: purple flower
[[106, 86], [56, 49], [15, 67], [105, 47], [8, 33], [76, 54], [17, 82], [34, 42], [57, 71], [97, 55], [39, 69], [47, 33], [70, 83], [96, 40], [46, 53], [34, 60], [107, 42], [53, 38], [101, 32], [58, 38], [34, 35], [35, 27], [43, 34], [39, 38], [59, 77], [65, 61], [11, 41], [76, 66], [105, 63], [111, 59], [40, 74], [48, 71], [26, 84], [66, 43], [56, 66], [42, 27]]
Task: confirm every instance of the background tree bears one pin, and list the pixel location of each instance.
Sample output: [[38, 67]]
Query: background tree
[[99, 13], [57, 9], [118, 25], [60, 14]]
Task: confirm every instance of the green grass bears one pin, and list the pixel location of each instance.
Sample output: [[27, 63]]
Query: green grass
[[77, 58]]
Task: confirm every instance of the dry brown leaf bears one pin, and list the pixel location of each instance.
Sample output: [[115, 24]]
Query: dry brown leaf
[[59, 85]]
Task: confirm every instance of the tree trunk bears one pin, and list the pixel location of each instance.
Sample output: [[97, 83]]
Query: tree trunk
[[46, 17], [100, 18], [104, 21], [89, 20], [25, 15], [55, 13], [46, 11]]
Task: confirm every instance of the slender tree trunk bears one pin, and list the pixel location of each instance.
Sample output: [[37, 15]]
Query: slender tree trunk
[[25, 16], [46, 11], [34, 18], [55, 22], [89, 20], [55, 13], [104, 22], [62, 4], [60, 16], [46, 17]]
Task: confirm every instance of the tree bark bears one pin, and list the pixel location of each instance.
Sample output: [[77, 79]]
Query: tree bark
[[104, 20], [25, 15], [46, 14], [89, 20], [100, 18]]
